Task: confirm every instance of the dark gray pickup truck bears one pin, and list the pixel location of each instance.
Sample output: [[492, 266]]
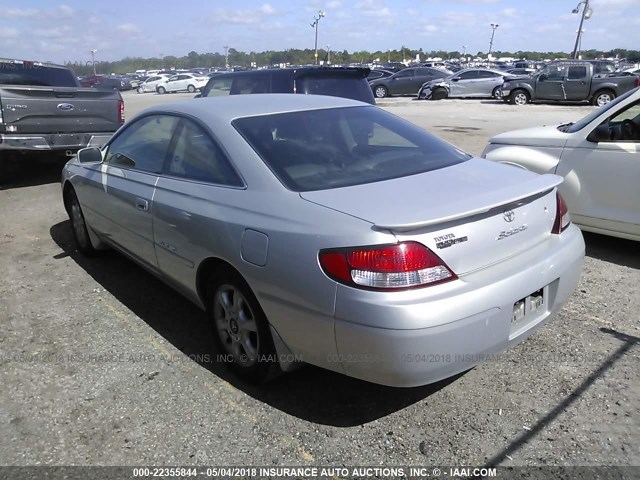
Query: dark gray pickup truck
[[568, 81], [43, 108]]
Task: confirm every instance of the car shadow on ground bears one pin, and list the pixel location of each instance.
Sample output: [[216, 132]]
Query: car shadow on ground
[[620, 251], [30, 172], [310, 393]]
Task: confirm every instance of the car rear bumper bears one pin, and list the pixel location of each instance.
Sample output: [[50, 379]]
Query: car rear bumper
[[53, 142], [460, 326]]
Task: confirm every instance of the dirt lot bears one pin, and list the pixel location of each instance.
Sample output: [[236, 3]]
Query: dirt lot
[[95, 360]]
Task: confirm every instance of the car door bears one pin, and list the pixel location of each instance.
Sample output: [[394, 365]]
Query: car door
[[403, 82], [183, 82], [173, 84], [133, 162], [577, 85], [601, 179], [151, 82], [550, 83], [194, 200], [486, 83], [462, 84]]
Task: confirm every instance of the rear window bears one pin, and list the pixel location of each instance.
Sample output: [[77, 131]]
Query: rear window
[[340, 147], [32, 74]]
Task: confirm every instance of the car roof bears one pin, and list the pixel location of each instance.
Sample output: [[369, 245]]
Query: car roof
[[225, 109]]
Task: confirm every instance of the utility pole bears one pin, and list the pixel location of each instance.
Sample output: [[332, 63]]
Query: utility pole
[[316, 20], [493, 32], [329, 54], [226, 56], [93, 60], [586, 15]]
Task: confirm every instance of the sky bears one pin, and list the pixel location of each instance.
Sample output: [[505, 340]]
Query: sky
[[67, 31]]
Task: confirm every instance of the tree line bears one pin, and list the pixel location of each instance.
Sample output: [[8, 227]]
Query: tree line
[[236, 58]]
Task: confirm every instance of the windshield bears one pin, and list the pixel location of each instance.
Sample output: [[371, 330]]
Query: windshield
[[29, 73], [339, 147], [583, 122]]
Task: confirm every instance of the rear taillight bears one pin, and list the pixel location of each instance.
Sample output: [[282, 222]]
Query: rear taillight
[[563, 220], [638, 81], [386, 267], [121, 111]]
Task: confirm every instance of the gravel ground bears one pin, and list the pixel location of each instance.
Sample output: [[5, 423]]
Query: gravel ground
[[102, 364]]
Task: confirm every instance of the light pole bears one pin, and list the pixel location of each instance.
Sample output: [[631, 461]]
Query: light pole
[[316, 20], [329, 54], [586, 15], [493, 32], [464, 53], [226, 57], [93, 60]]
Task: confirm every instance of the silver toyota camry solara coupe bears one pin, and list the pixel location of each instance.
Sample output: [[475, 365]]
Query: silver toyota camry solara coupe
[[324, 230]]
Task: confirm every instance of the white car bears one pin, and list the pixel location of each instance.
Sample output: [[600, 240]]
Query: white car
[[182, 82], [150, 84], [599, 158]]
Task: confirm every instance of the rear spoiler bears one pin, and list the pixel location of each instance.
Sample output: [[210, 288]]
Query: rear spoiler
[[509, 195]]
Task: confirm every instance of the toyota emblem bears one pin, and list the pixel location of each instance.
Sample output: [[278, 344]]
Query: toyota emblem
[[509, 216]]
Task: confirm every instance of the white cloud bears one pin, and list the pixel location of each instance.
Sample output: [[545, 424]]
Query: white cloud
[[128, 28], [14, 13], [6, 33]]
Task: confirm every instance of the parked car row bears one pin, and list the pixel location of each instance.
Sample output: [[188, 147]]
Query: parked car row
[[564, 81]]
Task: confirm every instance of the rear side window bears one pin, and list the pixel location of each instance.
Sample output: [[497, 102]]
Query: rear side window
[[488, 74], [31, 74], [250, 84], [218, 86], [339, 147], [356, 88], [577, 73], [197, 157]]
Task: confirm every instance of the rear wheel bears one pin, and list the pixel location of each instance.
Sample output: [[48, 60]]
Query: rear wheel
[[496, 92], [191, 89], [162, 90], [439, 94], [241, 329], [603, 97], [78, 224], [519, 97], [381, 91]]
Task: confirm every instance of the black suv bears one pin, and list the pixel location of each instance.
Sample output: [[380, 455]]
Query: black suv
[[334, 81]]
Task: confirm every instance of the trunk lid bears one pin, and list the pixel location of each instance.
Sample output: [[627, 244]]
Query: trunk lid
[[472, 215], [41, 110]]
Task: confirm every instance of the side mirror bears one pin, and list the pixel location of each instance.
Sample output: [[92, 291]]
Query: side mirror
[[600, 134], [455, 79], [543, 77], [90, 155]]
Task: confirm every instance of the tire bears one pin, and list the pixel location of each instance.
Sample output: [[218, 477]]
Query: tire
[[140, 90], [162, 90], [78, 225], [496, 93], [240, 328], [191, 89], [602, 98], [381, 91], [439, 94], [519, 97]]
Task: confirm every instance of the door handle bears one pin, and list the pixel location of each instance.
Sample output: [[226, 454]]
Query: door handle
[[142, 204]]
